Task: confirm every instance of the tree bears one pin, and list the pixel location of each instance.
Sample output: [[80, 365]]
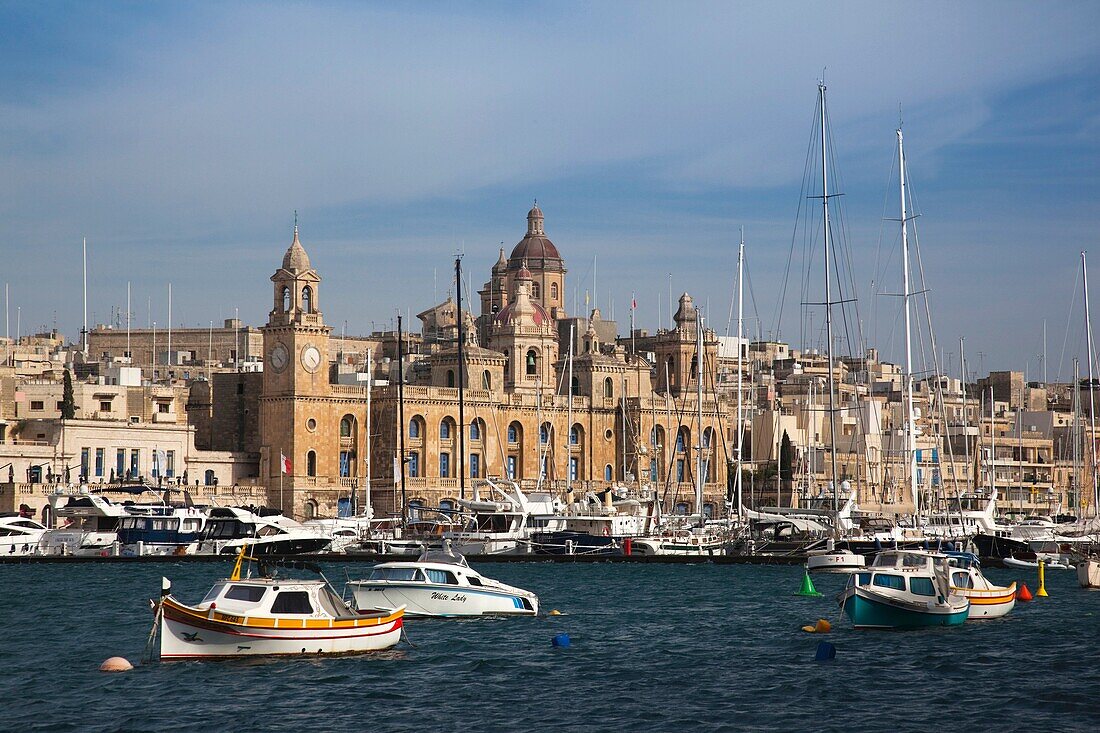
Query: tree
[[68, 404], [786, 462]]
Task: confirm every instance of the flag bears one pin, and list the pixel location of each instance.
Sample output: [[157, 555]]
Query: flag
[[284, 463], [585, 298], [633, 302]]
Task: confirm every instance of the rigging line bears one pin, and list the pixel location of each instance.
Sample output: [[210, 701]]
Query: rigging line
[[779, 306], [1069, 320]]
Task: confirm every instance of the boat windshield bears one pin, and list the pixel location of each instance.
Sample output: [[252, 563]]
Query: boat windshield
[[249, 593], [921, 587], [214, 592], [396, 574], [961, 579], [228, 529]]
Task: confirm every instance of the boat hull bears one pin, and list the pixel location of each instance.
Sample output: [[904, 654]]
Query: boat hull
[[841, 561], [991, 603], [575, 543], [434, 600], [869, 612], [187, 633], [1088, 574]]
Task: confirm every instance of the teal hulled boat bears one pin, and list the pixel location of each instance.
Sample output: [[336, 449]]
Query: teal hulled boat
[[904, 589]]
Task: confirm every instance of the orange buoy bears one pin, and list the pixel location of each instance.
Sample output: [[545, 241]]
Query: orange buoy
[[115, 664], [821, 627], [1023, 595]]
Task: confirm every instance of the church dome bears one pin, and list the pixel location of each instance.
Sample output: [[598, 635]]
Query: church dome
[[506, 314], [296, 258], [535, 247]]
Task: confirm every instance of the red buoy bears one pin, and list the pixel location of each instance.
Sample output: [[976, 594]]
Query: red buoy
[[1023, 595], [628, 546]]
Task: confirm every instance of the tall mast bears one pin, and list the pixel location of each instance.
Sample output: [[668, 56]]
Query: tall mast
[[461, 381], [910, 428], [569, 424], [368, 510], [992, 447], [169, 328], [740, 336], [828, 301], [128, 352], [699, 413], [1077, 433], [966, 412], [84, 333], [1092, 375], [402, 428]]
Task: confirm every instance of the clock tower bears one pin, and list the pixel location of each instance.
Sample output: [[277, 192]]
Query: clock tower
[[296, 378]]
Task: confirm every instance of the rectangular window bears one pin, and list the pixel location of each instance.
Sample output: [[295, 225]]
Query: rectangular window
[[922, 587], [60, 405], [105, 406], [475, 465], [134, 456], [38, 405], [292, 601], [542, 467], [414, 464], [653, 470], [444, 465], [120, 462], [897, 582], [345, 464], [162, 407], [572, 468], [680, 469], [170, 464], [98, 461], [512, 467], [249, 593], [84, 453]]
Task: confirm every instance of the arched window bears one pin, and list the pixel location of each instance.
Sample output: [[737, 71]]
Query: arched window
[[414, 428], [307, 299], [536, 291], [310, 509], [575, 435], [487, 381], [544, 433], [445, 429], [553, 291], [447, 505], [608, 388], [532, 362], [681, 508], [608, 472], [347, 426], [475, 430], [450, 377], [576, 385], [286, 300], [681, 439], [708, 510], [311, 463], [671, 366], [708, 437], [694, 367], [513, 433]]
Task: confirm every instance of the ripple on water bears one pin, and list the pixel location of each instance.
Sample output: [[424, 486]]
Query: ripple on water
[[653, 648]]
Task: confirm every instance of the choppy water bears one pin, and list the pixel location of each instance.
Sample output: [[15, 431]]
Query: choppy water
[[654, 647]]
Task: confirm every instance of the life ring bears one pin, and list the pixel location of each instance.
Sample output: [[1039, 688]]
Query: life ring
[[606, 531]]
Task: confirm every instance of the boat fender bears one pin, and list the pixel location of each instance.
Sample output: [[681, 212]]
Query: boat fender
[[826, 652], [560, 641], [606, 532], [115, 664]]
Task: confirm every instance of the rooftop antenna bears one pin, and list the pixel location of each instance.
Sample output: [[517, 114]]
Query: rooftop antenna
[[169, 359], [7, 320], [128, 312]]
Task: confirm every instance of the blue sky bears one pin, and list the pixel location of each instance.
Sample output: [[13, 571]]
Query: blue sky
[[180, 138]]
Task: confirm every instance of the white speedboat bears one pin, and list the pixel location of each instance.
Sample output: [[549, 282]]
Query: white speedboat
[[502, 524], [986, 599], [1053, 562], [87, 524], [270, 616], [440, 583], [830, 559], [19, 535], [228, 529], [699, 541]]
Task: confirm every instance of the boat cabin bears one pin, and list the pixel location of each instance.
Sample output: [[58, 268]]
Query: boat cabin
[[281, 597]]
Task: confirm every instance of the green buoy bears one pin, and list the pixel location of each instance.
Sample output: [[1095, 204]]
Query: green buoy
[[808, 589]]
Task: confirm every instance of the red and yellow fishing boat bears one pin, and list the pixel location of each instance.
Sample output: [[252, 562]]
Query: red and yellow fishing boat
[[270, 616]]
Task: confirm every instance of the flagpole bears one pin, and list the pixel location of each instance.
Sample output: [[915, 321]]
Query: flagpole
[[282, 470]]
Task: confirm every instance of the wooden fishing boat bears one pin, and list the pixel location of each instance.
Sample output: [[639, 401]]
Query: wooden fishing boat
[[270, 616], [986, 599]]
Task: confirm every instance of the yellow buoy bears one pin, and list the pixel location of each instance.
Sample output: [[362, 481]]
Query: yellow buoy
[[1042, 592], [115, 664], [821, 627], [554, 612]]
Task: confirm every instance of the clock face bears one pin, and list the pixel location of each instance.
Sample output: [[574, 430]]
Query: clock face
[[279, 357], [311, 358]]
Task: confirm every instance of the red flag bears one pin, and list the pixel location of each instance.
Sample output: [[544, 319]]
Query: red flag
[[284, 463], [633, 301]]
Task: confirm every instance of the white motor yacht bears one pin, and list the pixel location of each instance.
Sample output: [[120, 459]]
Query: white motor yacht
[[503, 523], [87, 524], [228, 529], [19, 535], [440, 583]]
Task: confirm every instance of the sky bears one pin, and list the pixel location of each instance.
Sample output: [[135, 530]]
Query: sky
[[181, 138]]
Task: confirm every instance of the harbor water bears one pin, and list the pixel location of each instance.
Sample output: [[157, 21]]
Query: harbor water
[[653, 647]]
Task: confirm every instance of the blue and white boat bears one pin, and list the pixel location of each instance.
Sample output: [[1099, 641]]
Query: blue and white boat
[[440, 583], [161, 530], [904, 589]]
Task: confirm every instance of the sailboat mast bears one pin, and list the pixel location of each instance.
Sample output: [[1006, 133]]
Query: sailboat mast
[[402, 428], [966, 412], [368, 509], [740, 337], [699, 413], [569, 424], [1092, 376], [828, 299], [461, 382], [84, 333], [910, 428]]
